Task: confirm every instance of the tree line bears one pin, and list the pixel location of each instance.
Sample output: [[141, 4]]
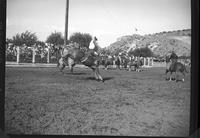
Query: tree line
[[56, 39]]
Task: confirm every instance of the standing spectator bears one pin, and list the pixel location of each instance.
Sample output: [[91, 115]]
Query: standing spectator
[[42, 56]]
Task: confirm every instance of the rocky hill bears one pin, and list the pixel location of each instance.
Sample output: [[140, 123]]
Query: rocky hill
[[160, 43]]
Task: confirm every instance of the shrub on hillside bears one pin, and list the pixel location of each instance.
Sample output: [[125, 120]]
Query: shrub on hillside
[[142, 52]]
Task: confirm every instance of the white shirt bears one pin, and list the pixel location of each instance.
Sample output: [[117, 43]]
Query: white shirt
[[109, 56], [91, 46]]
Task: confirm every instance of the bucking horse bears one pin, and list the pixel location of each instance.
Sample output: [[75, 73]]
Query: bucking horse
[[73, 56]]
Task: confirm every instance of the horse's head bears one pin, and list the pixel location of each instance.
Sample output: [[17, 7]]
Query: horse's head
[[56, 50], [141, 62], [167, 58]]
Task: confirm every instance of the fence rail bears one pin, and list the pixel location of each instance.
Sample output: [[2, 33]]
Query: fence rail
[[31, 55]]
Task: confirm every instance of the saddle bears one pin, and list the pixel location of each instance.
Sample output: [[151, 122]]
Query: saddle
[[90, 58], [173, 64]]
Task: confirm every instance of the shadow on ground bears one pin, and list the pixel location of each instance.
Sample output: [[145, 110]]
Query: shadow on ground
[[105, 78], [75, 73]]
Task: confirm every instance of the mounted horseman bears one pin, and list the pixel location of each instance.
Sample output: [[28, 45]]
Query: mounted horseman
[[172, 65]]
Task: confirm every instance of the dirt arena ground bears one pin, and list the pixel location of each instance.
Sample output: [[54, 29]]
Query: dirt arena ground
[[43, 101]]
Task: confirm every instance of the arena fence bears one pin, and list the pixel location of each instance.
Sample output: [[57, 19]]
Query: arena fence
[[25, 54], [33, 55]]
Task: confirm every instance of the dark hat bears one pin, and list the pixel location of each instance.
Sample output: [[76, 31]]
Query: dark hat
[[95, 38]]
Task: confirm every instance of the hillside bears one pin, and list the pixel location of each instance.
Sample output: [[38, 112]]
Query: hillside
[[160, 43]]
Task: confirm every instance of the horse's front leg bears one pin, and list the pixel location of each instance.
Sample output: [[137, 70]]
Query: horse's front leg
[[98, 74], [170, 78], [106, 67], [166, 72], [61, 68], [118, 66], [95, 73], [114, 64], [129, 68], [71, 64]]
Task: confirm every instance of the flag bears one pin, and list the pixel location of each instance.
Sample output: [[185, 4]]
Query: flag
[[136, 29]]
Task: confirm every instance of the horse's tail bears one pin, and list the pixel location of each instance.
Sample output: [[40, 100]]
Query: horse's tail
[[186, 69], [60, 56], [58, 62]]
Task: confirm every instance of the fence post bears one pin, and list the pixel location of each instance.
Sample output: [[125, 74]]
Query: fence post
[[48, 55], [33, 58], [152, 62], [18, 53], [148, 62], [144, 62]]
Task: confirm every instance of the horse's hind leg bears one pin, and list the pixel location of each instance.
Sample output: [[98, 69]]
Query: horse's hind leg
[[72, 68], [71, 64], [60, 65], [177, 77], [183, 79], [166, 73]]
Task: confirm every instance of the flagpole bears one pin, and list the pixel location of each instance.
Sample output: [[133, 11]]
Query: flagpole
[[66, 22]]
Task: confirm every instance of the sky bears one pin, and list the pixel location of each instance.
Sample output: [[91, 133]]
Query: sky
[[105, 19]]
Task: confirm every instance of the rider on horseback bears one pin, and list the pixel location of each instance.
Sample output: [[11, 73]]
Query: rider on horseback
[[173, 57], [93, 49], [94, 46]]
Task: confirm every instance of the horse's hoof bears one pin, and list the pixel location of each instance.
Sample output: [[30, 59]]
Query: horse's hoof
[[99, 80]]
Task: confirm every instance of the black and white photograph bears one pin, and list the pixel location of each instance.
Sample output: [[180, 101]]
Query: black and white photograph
[[98, 67]]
